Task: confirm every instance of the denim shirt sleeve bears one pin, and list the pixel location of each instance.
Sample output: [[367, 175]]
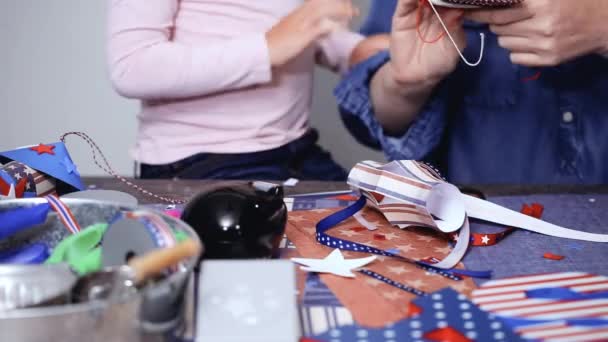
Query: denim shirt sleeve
[[357, 112]]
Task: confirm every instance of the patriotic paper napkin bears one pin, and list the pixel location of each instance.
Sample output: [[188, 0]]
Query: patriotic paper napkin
[[372, 302], [570, 306]]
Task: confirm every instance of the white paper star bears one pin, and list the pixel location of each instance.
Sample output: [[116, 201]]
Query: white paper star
[[334, 263], [485, 239]]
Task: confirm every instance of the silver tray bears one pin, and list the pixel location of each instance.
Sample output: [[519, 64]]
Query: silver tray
[[146, 316]]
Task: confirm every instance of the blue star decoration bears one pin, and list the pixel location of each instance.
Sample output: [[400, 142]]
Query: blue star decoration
[[445, 315], [70, 167]]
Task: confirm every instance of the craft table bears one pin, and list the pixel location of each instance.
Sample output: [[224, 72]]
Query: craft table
[[566, 205], [184, 189]]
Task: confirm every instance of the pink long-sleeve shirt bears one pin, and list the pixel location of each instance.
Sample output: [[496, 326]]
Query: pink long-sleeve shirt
[[201, 69]]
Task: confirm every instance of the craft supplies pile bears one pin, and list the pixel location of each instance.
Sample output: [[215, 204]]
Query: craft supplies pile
[[51, 244]]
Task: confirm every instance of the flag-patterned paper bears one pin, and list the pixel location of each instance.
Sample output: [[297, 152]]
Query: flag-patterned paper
[[442, 316], [399, 189], [320, 310], [36, 184], [389, 302], [511, 298]]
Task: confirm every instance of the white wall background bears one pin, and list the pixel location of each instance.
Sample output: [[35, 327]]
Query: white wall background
[[52, 67]]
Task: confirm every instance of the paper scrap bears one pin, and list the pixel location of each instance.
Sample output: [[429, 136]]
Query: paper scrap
[[291, 182]]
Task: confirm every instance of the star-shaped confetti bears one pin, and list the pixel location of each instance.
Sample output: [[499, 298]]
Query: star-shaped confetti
[[398, 270], [417, 283], [296, 218], [320, 211], [373, 282], [446, 334], [349, 233], [334, 263], [460, 286], [369, 243], [405, 248], [41, 149], [390, 236], [425, 238], [443, 250], [392, 295]]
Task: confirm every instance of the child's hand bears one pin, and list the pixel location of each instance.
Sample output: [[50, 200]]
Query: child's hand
[[311, 21], [369, 47]]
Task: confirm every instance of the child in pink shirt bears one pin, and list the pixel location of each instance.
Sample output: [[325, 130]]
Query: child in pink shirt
[[225, 85]]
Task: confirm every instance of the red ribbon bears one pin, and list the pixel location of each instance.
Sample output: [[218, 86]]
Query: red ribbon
[[491, 239]]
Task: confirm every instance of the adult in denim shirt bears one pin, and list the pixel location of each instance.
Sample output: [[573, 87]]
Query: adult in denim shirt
[[500, 122]]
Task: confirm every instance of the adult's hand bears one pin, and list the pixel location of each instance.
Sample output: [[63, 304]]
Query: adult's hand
[[402, 86], [311, 21], [549, 32], [413, 58]]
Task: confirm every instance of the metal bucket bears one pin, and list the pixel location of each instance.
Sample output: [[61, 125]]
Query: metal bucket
[[147, 315]]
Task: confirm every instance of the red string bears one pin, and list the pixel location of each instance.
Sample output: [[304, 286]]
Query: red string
[[534, 77], [421, 5]]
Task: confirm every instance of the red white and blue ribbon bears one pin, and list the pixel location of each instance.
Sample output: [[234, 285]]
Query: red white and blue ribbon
[[157, 226], [64, 213]]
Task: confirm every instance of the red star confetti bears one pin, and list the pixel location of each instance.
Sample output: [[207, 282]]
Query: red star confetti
[[552, 256], [379, 237], [346, 198], [413, 310], [41, 149], [447, 334]]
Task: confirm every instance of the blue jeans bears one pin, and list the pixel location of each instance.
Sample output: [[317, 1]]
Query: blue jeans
[[303, 159]]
